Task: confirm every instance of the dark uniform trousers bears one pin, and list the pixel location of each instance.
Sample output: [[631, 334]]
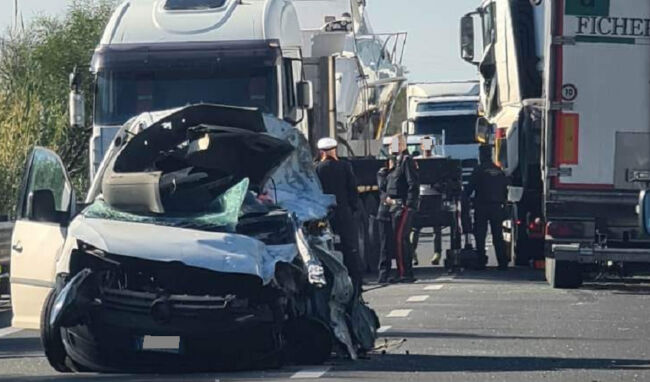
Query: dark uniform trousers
[[343, 224], [386, 245], [437, 239], [402, 221], [394, 231], [492, 214], [432, 204]]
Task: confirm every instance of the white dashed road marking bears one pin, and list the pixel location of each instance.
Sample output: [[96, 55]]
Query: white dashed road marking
[[8, 331], [434, 287], [311, 372], [384, 329], [417, 298], [445, 278], [400, 313]]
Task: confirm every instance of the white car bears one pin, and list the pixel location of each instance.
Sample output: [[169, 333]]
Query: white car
[[206, 223]]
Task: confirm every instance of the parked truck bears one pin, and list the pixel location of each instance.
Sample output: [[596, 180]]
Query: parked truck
[[565, 94], [446, 110]]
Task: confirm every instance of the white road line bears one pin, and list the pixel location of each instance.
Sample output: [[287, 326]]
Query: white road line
[[311, 372], [421, 298], [400, 313], [384, 329], [8, 331], [434, 287]]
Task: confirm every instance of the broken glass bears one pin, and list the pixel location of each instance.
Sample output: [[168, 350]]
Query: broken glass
[[222, 214]]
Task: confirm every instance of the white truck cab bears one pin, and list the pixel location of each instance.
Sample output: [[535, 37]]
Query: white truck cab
[[445, 109], [161, 54]]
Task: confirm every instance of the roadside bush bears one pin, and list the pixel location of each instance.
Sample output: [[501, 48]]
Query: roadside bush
[[34, 68]]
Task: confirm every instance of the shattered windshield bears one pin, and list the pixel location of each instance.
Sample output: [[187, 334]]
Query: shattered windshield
[[222, 214]]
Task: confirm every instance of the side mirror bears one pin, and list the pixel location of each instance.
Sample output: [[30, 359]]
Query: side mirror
[[644, 211], [467, 38], [305, 95], [484, 130], [43, 207], [76, 102]]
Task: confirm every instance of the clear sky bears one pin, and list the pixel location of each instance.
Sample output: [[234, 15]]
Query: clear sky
[[432, 52]]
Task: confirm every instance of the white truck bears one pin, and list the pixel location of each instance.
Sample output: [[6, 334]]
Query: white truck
[[565, 92], [155, 56], [445, 109]]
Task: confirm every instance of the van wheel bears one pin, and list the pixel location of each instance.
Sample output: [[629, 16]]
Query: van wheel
[[563, 274], [51, 338]]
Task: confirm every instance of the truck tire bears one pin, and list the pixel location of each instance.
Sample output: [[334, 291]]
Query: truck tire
[[563, 274], [51, 339]]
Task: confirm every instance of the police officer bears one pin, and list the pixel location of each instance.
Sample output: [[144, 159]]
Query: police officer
[[402, 193], [490, 186], [385, 225], [433, 199], [337, 178]]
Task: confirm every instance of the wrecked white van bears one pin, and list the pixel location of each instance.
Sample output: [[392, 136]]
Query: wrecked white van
[[206, 223]]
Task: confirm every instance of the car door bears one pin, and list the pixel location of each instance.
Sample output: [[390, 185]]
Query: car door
[[45, 206]]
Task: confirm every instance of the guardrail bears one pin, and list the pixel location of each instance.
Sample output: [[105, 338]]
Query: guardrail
[[5, 242]]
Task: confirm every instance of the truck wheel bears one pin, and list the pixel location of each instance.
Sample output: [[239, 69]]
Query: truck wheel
[[51, 339], [563, 274]]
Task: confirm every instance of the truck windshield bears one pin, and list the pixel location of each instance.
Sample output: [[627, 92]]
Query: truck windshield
[[459, 129], [124, 93]]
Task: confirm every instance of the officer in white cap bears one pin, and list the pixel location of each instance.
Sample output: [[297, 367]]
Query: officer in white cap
[[337, 178]]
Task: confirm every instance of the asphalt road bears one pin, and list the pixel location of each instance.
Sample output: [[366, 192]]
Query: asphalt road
[[472, 326]]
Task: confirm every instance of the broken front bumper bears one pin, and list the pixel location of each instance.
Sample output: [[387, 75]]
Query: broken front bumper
[[148, 313]]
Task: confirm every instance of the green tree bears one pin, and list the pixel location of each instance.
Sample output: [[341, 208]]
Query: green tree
[[34, 68]]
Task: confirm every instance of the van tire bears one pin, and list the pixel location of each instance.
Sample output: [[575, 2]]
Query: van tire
[[51, 338], [563, 274]]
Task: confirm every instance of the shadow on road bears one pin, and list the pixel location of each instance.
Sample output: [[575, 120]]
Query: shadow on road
[[19, 347], [447, 363], [432, 274], [620, 286], [430, 334], [122, 377], [512, 275]]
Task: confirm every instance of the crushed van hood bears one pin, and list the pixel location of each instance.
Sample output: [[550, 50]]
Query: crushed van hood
[[188, 158], [215, 251]]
